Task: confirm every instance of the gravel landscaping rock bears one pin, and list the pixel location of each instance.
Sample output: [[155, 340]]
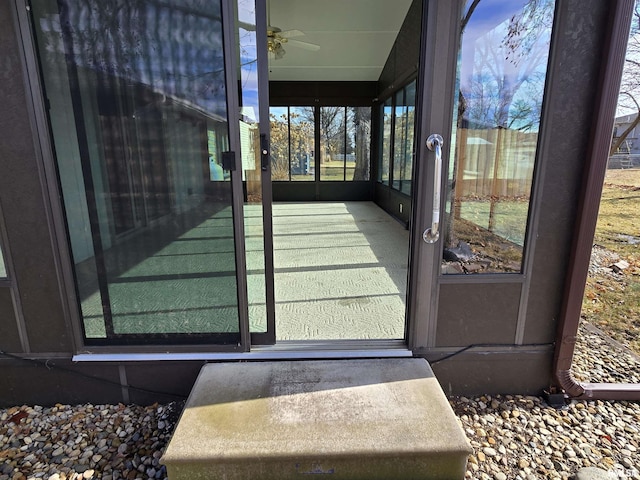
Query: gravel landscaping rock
[[65, 442], [513, 436], [539, 441], [524, 438]]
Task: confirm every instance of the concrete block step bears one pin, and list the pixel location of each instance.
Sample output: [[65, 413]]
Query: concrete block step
[[339, 419]]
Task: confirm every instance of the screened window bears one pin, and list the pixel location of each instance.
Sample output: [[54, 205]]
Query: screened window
[[386, 115], [292, 143], [343, 151], [409, 127], [333, 143], [395, 164]]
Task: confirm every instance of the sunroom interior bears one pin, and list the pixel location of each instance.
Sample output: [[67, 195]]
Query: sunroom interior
[[140, 127], [148, 198], [341, 165]]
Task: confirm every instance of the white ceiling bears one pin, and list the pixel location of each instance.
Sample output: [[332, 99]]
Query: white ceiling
[[355, 38]]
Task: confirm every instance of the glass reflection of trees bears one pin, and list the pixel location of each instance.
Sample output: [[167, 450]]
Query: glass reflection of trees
[[138, 115], [501, 77]]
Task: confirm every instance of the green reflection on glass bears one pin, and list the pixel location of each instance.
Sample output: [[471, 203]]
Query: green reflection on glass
[[138, 117]]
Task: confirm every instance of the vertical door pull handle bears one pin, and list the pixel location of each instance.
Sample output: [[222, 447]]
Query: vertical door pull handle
[[435, 143]]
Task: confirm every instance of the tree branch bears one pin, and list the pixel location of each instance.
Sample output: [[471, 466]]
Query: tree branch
[[467, 16], [617, 142]]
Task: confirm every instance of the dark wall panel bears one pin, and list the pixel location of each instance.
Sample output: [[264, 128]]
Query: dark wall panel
[[23, 203], [61, 381], [171, 380], [570, 103], [345, 191], [322, 191], [293, 191], [396, 204], [9, 338], [477, 313], [402, 62], [521, 370], [353, 94]]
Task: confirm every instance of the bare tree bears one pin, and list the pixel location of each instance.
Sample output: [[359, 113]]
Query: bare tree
[[362, 134]]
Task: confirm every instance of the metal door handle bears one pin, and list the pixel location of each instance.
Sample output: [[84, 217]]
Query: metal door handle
[[435, 143], [264, 152]]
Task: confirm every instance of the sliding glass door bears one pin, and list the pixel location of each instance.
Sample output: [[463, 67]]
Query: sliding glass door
[[140, 122]]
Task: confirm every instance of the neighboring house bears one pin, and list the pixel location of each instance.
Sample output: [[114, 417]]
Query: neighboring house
[[128, 259], [628, 153]]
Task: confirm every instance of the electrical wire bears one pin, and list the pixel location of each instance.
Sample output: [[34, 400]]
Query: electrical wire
[[49, 365], [52, 366]]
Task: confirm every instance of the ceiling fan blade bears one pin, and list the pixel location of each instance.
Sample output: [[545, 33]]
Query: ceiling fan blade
[[307, 46], [291, 33]]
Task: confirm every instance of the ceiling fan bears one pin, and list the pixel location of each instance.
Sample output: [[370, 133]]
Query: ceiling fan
[[276, 38]]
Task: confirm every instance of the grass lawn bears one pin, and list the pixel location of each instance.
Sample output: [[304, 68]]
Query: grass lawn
[[612, 300]]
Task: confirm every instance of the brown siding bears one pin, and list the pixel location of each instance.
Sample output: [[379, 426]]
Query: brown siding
[[9, 337], [477, 314], [525, 371], [402, 62], [570, 105]]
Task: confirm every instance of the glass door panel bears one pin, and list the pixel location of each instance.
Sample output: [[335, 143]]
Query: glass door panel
[[254, 130], [480, 115], [138, 115]]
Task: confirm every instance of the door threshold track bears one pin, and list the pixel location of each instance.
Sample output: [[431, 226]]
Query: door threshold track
[[281, 351]]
